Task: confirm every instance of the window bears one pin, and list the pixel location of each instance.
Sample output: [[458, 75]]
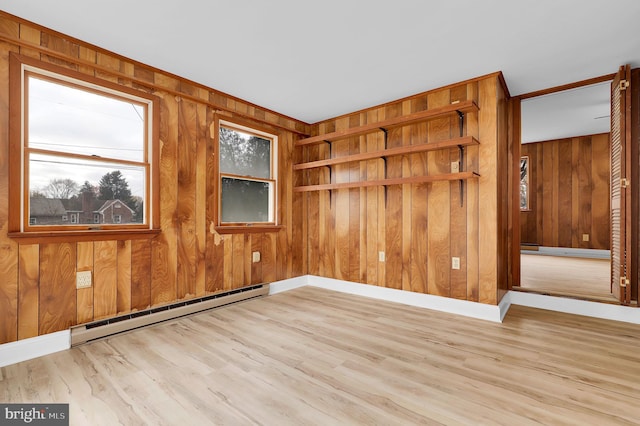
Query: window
[[96, 218], [79, 143], [117, 218], [524, 183], [247, 184], [32, 221]]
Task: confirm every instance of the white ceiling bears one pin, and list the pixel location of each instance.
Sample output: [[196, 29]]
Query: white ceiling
[[577, 112], [316, 60]]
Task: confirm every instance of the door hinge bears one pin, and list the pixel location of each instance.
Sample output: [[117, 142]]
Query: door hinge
[[624, 183], [624, 84], [623, 282]]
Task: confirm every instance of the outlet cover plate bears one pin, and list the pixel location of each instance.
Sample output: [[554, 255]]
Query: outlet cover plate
[[83, 279]]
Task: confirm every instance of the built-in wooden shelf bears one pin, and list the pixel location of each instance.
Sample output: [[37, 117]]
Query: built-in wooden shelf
[[386, 182], [385, 153], [430, 114]]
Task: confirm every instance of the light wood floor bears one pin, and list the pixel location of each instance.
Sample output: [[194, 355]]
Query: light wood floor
[[316, 357], [571, 276]]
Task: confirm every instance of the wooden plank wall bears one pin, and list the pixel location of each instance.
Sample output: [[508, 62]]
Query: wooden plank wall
[[419, 227], [188, 259], [569, 193]]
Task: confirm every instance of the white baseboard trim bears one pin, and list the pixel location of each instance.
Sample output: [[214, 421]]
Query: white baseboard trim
[[23, 350], [444, 304], [574, 306], [286, 285]]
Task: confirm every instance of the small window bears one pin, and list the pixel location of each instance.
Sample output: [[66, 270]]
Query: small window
[[117, 218], [32, 221], [247, 175], [83, 142], [524, 183], [96, 218]]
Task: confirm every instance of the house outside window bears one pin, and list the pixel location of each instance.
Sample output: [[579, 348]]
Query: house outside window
[[247, 171], [84, 142]]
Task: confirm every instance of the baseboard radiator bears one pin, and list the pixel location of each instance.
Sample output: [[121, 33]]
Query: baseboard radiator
[[120, 324]]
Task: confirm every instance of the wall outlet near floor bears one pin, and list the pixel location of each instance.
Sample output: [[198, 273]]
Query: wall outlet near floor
[[83, 279], [455, 263], [380, 256], [585, 237], [455, 167], [256, 256]]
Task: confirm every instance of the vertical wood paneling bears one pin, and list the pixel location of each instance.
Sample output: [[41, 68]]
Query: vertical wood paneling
[[439, 219], [472, 202], [8, 249], [164, 249], [407, 202], [419, 207], [341, 212], [185, 212], [256, 267], [188, 256], [201, 199], [28, 291], [238, 261], [284, 238], [487, 191], [372, 211], [565, 190], [268, 257], [569, 193], [600, 202], [393, 207], [84, 296], [57, 287], [355, 237], [123, 298], [458, 213], [419, 227], [141, 280], [105, 284]]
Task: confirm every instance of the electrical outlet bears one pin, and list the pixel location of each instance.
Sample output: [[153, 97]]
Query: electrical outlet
[[585, 237], [380, 256], [256, 256], [83, 279], [455, 263], [455, 167]]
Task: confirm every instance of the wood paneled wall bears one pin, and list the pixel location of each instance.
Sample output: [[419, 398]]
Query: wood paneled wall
[[569, 193], [419, 227], [188, 258]]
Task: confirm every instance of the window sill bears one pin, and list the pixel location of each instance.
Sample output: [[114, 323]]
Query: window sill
[[88, 235], [250, 229]]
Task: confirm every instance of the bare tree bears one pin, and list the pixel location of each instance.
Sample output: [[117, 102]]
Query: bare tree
[[61, 189]]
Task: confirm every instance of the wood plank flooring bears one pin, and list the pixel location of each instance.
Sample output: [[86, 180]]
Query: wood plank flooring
[[569, 276], [316, 357]]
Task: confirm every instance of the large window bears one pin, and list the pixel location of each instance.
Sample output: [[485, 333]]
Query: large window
[[81, 145], [247, 175]]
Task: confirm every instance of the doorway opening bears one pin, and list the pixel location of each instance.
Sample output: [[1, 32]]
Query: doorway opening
[[565, 210]]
